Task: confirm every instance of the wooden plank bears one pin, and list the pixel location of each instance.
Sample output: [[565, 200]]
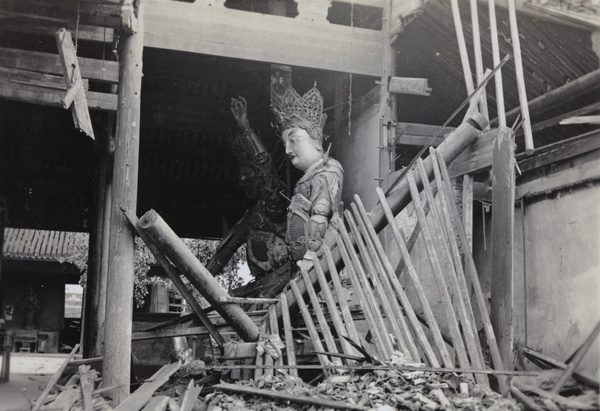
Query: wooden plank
[[53, 97], [93, 69], [503, 199], [478, 157], [274, 327], [287, 332], [261, 37], [143, 394], [158, 403], [41, 25], [286, 397], [73, 81], [579, 174], [86, 387], [55, 377], [19, 76], [190, 396]]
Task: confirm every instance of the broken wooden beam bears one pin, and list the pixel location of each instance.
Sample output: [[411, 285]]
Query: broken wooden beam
[[142, 395], [299, 399], [55, 377], [181, 256], [75, 97]]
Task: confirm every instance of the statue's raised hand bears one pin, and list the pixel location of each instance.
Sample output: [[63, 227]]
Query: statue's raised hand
[[239, 109]]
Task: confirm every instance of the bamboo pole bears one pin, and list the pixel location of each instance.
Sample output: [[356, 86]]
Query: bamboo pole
[[116, 368], [496, 60], [186, 262], [336, 319], [516, 42], [462, 47], [472, 270], [420, 291], [389, 304], [372, 300], [478, 56], [384, 280], [458, 283], [339, 290], [362, 297], [310, 325], [394, 284], [287, 332], [323, 324], [457, 341]]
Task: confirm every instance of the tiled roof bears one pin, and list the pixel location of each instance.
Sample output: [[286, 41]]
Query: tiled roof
[[44, 245]]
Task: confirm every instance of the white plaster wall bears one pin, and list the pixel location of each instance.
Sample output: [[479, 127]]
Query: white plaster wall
[[562, 265], [359, 156]]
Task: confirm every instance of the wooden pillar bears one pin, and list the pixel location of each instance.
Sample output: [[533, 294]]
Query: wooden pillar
[[387, 100], [116, 369], [3, 219], [95, 290], [503, 218]]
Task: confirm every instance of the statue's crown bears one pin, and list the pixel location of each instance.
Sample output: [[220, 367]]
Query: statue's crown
[[304, 111]]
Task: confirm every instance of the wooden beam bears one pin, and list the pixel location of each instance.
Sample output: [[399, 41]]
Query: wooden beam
[[577, 175], [558, 96], [43, 26], [478, 157], [95, 13], [261, 37], [116, 369], [18, 76], [93, 69], [503, 216], [53, 97]]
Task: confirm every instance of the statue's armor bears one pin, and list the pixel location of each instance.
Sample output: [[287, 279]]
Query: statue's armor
[[263, 226], [315, 202]]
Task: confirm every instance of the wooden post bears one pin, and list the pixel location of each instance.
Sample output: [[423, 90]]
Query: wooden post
[[503, 216], [95, 290], [116, 369]]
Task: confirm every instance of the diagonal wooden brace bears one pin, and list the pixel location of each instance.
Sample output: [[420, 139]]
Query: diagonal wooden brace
[[75, 97]]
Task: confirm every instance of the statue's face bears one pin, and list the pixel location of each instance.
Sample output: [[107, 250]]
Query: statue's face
[[300, 148], [249, 182]]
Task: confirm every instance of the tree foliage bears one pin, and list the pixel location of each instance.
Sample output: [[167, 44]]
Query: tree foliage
[[203, 249]]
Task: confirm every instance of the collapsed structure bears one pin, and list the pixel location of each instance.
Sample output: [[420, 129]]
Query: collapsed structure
[[405, 247]]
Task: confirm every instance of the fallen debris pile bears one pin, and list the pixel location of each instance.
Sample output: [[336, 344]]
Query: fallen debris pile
[[395, 389]]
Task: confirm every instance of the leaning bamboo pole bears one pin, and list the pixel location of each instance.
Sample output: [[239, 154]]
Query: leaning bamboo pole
[[496, 60], [516, 42]]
